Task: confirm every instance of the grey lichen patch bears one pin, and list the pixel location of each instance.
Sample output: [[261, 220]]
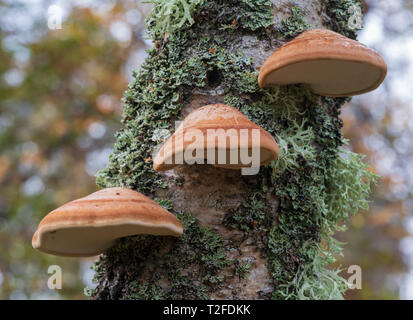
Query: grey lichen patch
[[172, 17], [242, 269], [255, 214], [294, 143], [249, 216], [168, 16], [249, 14], [295, 24], [342, 15]]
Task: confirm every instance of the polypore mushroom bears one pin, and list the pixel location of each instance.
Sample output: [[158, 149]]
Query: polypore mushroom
[[329, 63], [90, 225], [220, 134]]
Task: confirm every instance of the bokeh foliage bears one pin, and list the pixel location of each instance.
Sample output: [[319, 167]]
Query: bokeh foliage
[[60, 106]]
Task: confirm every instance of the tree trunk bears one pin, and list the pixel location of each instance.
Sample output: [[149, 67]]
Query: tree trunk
[[245, 237]]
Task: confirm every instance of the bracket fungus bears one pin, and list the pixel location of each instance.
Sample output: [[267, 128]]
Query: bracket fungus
[[90, 225], [329, 63], [221, 135]]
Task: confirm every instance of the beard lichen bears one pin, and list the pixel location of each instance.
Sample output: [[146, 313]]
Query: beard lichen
[[167, 16], [317, 186], [171, 17]]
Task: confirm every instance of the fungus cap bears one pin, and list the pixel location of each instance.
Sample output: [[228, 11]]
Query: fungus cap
[[233, 130], [329, 63], [90, 225]]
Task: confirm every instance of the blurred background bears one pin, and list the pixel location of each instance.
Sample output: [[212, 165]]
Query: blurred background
[[60, 105]]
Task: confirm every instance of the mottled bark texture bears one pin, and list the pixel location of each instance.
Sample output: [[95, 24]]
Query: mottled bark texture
[[245, 237]]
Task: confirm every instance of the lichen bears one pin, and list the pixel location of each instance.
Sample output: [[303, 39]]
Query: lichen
[[250, 215], [345, 191], [294, 143], [295, 24], [167, 16], [316, 186], [242, 269], [172, 17], [199, 250], [340, 15], [154, 98], [249, 14], [165, 203]]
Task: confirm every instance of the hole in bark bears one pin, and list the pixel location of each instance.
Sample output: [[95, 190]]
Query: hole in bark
[[214, 77]]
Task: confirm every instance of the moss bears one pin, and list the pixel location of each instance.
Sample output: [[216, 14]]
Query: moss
[[295, 24], [202, 250], [340, 14], [317, 188]]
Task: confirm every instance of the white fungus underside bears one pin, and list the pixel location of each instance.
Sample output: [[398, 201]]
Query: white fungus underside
[[92, 240]]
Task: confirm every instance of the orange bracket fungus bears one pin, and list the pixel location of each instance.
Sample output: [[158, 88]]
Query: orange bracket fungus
[[90, 225], [327, 62], [221, 135]]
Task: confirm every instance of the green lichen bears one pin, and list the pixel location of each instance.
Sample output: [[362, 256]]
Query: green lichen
[[153, 101], [242, 269], [144, 291], [165, 203], [249, 14], [167, 16], [294, 143], [316, 186], [307, 175], [343, 194], [199, 250], [340, 13], [295, 24], [315, 282], [154, 98], [250, 215], [172, 17], [347, 189]]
